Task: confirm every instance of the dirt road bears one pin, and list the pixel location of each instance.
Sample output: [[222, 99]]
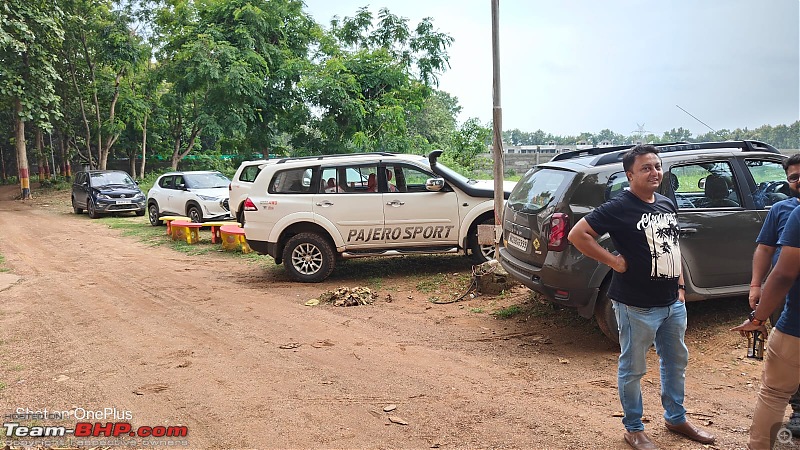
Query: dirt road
[[227, 349]]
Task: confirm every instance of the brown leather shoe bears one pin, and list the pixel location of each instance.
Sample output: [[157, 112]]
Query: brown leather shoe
[[639, 441], [691, 432]]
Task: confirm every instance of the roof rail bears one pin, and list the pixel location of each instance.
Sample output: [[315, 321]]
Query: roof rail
[[609, 155], [337, 155]]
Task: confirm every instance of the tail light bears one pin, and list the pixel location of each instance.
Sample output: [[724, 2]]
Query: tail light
[[229, 187], [559, 228], [249, 205]]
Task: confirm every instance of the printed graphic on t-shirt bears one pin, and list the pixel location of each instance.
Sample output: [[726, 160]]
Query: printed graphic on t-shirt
[[662, 233]]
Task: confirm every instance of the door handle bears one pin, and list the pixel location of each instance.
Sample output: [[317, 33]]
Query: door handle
[[685, 231], [325, 203], [395, 203]]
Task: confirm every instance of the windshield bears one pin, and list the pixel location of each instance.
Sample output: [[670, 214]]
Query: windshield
[[111, 178], [206, 180], [536, 190]]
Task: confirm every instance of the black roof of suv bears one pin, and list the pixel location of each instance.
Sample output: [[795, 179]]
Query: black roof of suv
[[722, 191]]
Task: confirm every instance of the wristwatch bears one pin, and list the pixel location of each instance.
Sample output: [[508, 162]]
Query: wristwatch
[[754, 321], [682, 287]]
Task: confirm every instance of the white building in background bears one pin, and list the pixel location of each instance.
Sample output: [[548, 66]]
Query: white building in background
[[551, 147]]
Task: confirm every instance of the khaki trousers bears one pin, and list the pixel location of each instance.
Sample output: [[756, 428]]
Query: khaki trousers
[[779, 381]]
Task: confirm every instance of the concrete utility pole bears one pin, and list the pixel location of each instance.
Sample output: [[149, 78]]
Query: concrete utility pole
[[497, 129]]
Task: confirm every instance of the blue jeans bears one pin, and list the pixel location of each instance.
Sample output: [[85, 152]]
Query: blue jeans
[[639, 328]]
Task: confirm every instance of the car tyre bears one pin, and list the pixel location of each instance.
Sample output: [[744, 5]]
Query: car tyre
[[152, 214], [194, 214], [481, 253], [75, 208], [91, 208], [240, 217], [604, 314], [140, 213], [309, 257]]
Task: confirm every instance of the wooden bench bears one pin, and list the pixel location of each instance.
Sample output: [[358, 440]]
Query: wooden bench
[[233, 238], [185, 230], [215, 226], [169, 219]]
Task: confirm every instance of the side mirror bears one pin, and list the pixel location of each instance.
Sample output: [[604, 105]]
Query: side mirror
[[434, 184], [181, 187], [701, 183]]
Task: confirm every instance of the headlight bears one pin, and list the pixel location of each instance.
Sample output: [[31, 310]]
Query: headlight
[[103, 196], [208, 198], [138, 197]]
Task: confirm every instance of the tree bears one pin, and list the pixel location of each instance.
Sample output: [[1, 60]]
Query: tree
[[232, 68], [370, 81], [30, 33], [101, 54]]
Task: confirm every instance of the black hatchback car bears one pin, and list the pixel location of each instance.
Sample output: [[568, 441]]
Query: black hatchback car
[[723, 191], [105, 192]]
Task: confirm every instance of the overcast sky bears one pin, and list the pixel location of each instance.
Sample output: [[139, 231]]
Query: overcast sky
[[571, 66]]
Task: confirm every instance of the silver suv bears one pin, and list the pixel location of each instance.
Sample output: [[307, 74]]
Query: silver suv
[[199, 195], [310, 212], [722, 190]]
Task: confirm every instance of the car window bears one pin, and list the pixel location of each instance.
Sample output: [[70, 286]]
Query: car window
[[770, 182], [536, 190], [250, 173], [205, 180], [411, 179], [349, 179], [178, 182], [292, 181], [617, 184], [705, 185], [166, 182]]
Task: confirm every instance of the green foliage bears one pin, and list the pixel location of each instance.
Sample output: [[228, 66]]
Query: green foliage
[[31, 33], [508, 312]]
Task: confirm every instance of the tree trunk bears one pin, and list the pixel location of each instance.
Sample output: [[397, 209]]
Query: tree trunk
[[3, 164], [144, 146], [22, 152], [40, 158], [66, 167]]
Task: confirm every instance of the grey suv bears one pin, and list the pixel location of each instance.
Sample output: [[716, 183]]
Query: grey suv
[[722, 190]]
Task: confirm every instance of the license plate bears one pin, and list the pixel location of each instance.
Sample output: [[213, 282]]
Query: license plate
[[124, 202], [518, 242]]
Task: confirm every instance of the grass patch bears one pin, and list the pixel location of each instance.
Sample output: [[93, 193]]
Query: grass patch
[[508, 312], [2, 385], [2, 263], [476, 310], [140, 229]]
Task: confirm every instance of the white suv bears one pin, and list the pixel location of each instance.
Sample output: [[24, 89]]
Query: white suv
[[199, 195], [311, 211], [240, 185]]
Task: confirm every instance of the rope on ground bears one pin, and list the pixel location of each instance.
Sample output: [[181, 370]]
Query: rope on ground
[[478, 271]]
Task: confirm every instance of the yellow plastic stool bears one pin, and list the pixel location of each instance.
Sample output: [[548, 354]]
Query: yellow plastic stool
[[184, 230], [233, 238], [215, 226], [169, 219]]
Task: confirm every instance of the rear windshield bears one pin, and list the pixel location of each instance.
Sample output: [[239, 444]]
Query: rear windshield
[[536, 190]]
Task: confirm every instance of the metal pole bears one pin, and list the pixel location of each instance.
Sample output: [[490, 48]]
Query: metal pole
[[497, 128]]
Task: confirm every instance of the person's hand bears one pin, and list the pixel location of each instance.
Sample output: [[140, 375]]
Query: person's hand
[[747, 326], [620, 265], [681, 296], [754, 296]]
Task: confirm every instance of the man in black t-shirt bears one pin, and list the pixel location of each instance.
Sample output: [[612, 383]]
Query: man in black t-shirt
[[646, 290]]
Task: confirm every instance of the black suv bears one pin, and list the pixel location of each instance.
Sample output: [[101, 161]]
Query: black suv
[[722, 190], [105, 192]]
